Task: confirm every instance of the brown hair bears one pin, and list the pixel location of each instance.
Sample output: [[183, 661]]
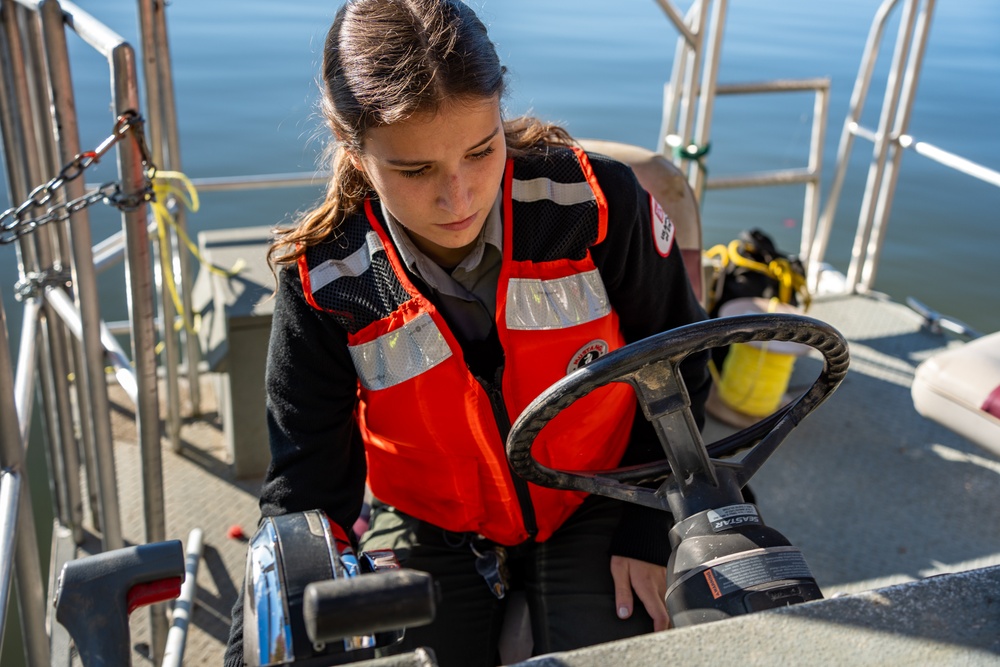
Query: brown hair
[[383, 62]]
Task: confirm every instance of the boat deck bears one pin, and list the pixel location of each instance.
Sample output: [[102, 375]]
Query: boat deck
[[870, 491], [200, 491]]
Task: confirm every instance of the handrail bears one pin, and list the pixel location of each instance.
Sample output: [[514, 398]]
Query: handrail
[[10, 493], [24, 377], [94, 402], [690, 93], [17, 519], [126, 97], [162, 124], [939, 155], [889, 141], [18, 127], [949, 159], [103, 39], [41, 112], [811, 174], [689, 102], [55, 16], [893, 120], [678, 21], [858, 95]]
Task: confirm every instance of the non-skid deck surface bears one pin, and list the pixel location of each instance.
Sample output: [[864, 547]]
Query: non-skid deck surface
[[200, 492]]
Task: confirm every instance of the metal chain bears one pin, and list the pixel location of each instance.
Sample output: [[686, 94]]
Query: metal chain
[[14, 224]]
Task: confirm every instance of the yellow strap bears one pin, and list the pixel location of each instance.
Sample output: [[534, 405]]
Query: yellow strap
[[718, 252], [176, 184], [779, 269]]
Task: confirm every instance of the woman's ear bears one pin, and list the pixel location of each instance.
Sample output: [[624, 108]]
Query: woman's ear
[[351, 154], [355, 160]]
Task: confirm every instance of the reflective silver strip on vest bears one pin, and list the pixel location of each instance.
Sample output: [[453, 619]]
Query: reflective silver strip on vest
[[400, 355], [351, 266], [556, 304], [565, 194]]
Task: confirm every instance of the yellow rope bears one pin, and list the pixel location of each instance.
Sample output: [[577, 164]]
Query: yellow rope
[[176, 184]]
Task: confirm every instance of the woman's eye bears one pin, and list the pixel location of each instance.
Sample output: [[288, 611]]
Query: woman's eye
[[481, 154], [413, 173]]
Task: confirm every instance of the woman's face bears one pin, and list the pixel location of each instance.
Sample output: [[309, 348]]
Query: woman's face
[[439, 174]]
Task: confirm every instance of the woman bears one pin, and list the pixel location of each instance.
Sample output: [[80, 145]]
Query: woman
[[459, 265]]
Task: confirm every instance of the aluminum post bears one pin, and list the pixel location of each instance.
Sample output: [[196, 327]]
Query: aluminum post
[[141, 306], [883, 205], [92, 388], [173, 161], [27, 561], [858, 96], [154, 116], [883, 139]]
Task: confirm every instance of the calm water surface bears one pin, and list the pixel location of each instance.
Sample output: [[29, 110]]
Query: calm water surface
[[245, 78]]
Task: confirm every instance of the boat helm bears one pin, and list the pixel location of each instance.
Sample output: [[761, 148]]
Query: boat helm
[[286, 554]]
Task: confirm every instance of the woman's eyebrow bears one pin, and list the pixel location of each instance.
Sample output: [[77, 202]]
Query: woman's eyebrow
[[417, 163]]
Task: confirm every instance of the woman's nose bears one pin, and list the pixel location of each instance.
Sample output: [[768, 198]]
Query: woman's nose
[[455, 195]]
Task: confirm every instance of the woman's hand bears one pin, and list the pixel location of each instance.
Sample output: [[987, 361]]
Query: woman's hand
[[649, 582]]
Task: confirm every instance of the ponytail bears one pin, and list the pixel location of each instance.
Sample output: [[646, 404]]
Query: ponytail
[[345, 194]]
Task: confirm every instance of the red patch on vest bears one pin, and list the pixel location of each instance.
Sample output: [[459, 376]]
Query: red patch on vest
[[663, 228]]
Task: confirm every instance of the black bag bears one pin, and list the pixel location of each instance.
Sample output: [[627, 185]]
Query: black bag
[[753, 267]]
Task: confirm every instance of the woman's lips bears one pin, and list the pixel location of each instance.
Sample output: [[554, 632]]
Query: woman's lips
[[460, 225]]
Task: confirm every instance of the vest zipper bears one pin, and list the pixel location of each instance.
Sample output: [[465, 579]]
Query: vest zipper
[[495, 394]]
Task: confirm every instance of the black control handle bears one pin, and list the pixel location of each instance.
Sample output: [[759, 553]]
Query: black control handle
[[96, 594]]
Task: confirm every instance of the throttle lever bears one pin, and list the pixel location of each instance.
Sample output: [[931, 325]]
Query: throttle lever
[[95, 595]]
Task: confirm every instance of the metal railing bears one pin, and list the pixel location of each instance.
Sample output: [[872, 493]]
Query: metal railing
[[689, 99], [165, 145], [889, 141], [810, 175], [18, 538], [689, 95], [63, 336], [689, 102]]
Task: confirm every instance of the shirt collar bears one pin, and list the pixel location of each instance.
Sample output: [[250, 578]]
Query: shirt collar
[[423, 266]]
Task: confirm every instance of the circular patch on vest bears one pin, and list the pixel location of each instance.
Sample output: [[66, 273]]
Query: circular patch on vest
[[587, 354], [663, 227]]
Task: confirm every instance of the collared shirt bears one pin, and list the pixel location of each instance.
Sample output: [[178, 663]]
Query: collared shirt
[[469, 292]]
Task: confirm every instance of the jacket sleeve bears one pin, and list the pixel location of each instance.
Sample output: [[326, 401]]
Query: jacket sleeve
[[651, 294], [317, 457]]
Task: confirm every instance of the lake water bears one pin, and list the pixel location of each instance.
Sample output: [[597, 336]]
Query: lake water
[[245, 78]]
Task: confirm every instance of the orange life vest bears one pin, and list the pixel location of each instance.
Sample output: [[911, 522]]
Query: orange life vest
[[433, 433]]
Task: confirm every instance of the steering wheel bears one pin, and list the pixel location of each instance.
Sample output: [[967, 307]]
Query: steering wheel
[[692, 477]]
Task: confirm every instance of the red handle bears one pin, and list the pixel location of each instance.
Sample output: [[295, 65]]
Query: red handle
[[152, 592]]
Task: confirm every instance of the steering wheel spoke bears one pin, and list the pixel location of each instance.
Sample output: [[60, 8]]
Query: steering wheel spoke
[[665, 402]]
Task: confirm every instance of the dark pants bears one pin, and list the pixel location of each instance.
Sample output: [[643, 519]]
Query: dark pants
[[566, 580]]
